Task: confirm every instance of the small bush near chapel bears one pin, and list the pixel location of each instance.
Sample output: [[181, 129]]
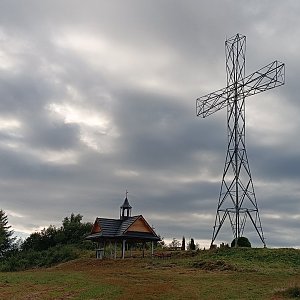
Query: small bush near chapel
[[241, 242]]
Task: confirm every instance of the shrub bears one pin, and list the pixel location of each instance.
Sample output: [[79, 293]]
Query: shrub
[[46, 258], [241, 242], [289, 293]]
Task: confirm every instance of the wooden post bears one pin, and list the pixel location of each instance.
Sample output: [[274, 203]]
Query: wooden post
[[104, 244], [97, 247], [100, 250], [152, 249], [143, 249], [130, 248], [115, 254], [123, 249]]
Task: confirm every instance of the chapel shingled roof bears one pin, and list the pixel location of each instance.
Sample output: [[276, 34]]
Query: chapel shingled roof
[[116, 228]]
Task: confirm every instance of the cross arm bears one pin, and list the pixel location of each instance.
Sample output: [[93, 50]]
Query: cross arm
[[210, 103], [268, 77]]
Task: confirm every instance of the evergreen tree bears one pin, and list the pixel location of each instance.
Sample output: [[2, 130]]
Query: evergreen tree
[[183, 244], [192, 245], [6, 239]]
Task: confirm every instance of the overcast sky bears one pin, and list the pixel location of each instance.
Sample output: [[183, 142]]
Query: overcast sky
[[97, 97]]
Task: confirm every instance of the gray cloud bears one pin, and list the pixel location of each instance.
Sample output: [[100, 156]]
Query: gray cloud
[[99, 97]]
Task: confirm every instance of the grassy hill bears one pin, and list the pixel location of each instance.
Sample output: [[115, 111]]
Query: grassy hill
[[221, 274]]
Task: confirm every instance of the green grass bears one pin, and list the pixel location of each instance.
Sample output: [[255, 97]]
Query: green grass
[[261, 259], [55, 285], [221, 274]]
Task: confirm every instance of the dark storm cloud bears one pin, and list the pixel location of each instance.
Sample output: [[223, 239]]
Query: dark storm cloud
[[99, 97], [278, 163], [156, 131]]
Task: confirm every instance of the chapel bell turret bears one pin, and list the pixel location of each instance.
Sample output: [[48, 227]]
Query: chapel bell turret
[[125, 209]]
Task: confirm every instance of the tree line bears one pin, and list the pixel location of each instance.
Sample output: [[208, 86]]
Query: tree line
[[43, 248]]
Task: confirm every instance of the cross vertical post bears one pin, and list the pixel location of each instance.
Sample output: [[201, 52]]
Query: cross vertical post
[[237, 199]]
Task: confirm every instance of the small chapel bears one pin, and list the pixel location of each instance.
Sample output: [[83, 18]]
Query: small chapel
[[125, 231]]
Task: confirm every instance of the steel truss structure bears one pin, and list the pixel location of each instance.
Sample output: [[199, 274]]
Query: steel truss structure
[[237, 199]]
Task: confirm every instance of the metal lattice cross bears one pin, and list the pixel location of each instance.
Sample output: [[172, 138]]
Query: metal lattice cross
[[237, 199]]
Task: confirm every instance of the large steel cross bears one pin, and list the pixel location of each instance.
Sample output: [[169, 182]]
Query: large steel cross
[[237, 199]]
